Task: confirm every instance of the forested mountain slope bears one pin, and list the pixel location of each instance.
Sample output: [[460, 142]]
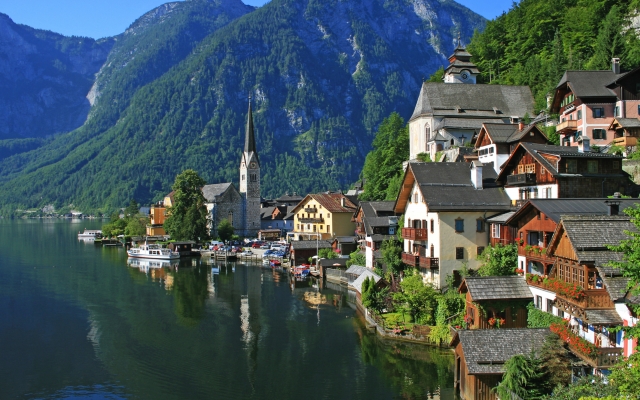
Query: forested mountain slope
[[322, 74]]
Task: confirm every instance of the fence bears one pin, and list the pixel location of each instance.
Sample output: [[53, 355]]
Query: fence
[[337, 275]]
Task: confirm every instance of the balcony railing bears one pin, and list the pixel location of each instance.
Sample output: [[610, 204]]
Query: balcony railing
[[605, 357], [567, 126], [521, 179], [625, 141], [311, 220], [594, 299], [537, 253], [311, 210], [414, 234], [410, 259], [429, 262]]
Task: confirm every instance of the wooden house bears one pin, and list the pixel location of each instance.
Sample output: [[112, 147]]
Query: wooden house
[[376, 221], [496, 302], [544, 171], [480, 356], [302, 250], [625, 132], [499, 231]]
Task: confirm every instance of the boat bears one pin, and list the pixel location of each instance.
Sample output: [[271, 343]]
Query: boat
[[146, 264], [89, 234], [152, 251]]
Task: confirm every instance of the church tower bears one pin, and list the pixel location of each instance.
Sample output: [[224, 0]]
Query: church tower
[[250, 180], [460, 69]]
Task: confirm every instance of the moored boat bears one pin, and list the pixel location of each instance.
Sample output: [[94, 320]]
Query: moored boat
[[152, 251], [89, 234]]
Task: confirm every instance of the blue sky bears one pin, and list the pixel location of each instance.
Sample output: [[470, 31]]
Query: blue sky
[[101, 18]]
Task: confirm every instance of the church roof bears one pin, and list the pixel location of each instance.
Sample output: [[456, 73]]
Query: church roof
[[249, 138], [211, 192], [473, 101]]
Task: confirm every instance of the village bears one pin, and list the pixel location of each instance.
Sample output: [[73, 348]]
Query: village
[[502, 227]]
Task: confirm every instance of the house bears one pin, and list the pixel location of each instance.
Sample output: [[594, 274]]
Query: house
[[544, 171], [480, 356], [579, 245], [451, 113], [588, 101], [356, 285], [625, 133], [302, 250], [376, 221], [496, 142], [344, 245], [496, 301], [499, 231], [274, 217], [157, 215], [324, 214], [445, 207]]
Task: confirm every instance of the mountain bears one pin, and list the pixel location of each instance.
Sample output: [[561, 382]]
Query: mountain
[[322, 74]]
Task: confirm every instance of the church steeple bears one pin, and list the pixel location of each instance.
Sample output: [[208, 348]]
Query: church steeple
[[249, 138], [460, 69]]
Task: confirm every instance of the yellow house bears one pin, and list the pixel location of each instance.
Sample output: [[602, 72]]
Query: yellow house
[[326, 215], [157, 216]]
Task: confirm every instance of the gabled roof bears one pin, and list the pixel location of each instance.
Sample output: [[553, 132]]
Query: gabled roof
[[501, 218], [211, 192], [287, 198], [625, 123], [356, 269], [556, 208], [482, 288], [447, 187], [617, 285], [310, 244], [477, 101], [538, 151], [332, 202], [357, 284], [486, 350], [589, 83]]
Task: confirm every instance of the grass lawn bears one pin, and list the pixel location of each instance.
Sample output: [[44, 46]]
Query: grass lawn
[[393, 319]]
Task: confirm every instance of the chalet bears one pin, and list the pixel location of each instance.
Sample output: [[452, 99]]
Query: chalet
[[496, 302], [324, 214], [445, 206], [543, 171], [275, 217], [496, 142], [588, 101], [480, 356], [625, 133], [376, 221], [302, 250], [452, 113], [579, 245], [499, 231]]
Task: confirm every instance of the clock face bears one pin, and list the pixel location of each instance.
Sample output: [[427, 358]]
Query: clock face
[[253, 165], [464, 75]]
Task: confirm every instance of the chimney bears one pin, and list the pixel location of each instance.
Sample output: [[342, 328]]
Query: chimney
[[584, 144], [342, 203], [476, 174], [615, 65], [614, 205], [520, 126]]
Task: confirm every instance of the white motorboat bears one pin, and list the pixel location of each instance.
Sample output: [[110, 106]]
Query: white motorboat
[[152, 251], [146, 264], [89, 234]]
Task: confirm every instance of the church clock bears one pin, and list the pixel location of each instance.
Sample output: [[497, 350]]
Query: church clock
[[464, 75]]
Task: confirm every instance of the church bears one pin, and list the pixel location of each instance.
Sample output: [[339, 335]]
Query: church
[[240, 207]]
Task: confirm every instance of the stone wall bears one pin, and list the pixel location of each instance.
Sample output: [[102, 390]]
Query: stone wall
[[632, 167]]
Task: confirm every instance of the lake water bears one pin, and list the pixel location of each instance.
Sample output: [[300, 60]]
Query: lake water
[[78, 322]]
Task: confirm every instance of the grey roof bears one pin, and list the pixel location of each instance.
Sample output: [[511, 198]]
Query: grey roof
[[501, 218], [603, 317], [447, 186], [357, 284], [290, 198], [497, 288], [250, 138], [486, 350], [589, 83], [210, 192], [616, 284], [500, 133], [629, 122], [267, 212], [381, 238], [382, 207], [462, 123], [309, 244], [333, 262], [479, 101], [356, 269], [346, 239], [555, 208]]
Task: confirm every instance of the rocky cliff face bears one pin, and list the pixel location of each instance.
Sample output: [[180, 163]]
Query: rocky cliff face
[[44, 80]]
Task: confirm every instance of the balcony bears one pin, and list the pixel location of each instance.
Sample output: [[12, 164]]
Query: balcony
[[521, 179], [311, 210], [410, 259], [535, 253], [625, 141], [567, 126], [429, 262], [594, 299], [311, 220], [414, 234], [605, 357]]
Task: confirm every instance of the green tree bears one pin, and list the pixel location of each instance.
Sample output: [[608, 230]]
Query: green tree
[[499, 260], [187, 217], [609, 42], [357, 258], [136, 225], [437, 76], [225, 230], [132, 209], [585, 387], [626, 376], [522, 376], [418, 299], [392, 255], [384, 163], [555, 363]]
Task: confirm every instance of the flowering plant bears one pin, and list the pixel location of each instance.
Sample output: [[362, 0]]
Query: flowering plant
[[467, 319], [520, 241], [519, 271], [572, 290], [576, 342], [492, 321]]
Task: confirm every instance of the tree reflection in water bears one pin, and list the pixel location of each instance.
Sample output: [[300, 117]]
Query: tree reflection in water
[[190, 293], [417, 371]]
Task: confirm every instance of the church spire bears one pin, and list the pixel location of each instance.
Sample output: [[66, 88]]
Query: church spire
[[250, 139]]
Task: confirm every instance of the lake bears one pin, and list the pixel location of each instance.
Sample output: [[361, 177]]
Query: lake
[[78, 322]]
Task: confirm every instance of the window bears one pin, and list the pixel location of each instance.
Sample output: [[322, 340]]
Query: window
[[495, 231], [243, 177], [585, 327], [548, 190], [459, 253], [543, 170], [530, 168], [560, 313], [599, 134], [415, 198], [598, 112], [579, 114], [459, 225], [616, 111], [230, 217], [592, 166], [328, 228], [432, 226], [480, 250], [427, 131], [254, 178], [572, 166], [539, 302], [549, 305], [479, 225]]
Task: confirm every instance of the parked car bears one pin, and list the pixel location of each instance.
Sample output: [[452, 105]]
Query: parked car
[[264, 246], [256, 245], [246, 253]]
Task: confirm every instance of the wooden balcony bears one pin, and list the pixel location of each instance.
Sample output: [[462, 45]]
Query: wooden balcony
[[604, 358], [625, 141], [311, 210], [410, 259], [594, 299], [535, 255], [521, 179], [311, 220], [414, 234], [567, 126], [429, 262]]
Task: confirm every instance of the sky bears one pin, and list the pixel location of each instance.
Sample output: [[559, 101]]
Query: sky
[[102, 18]]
